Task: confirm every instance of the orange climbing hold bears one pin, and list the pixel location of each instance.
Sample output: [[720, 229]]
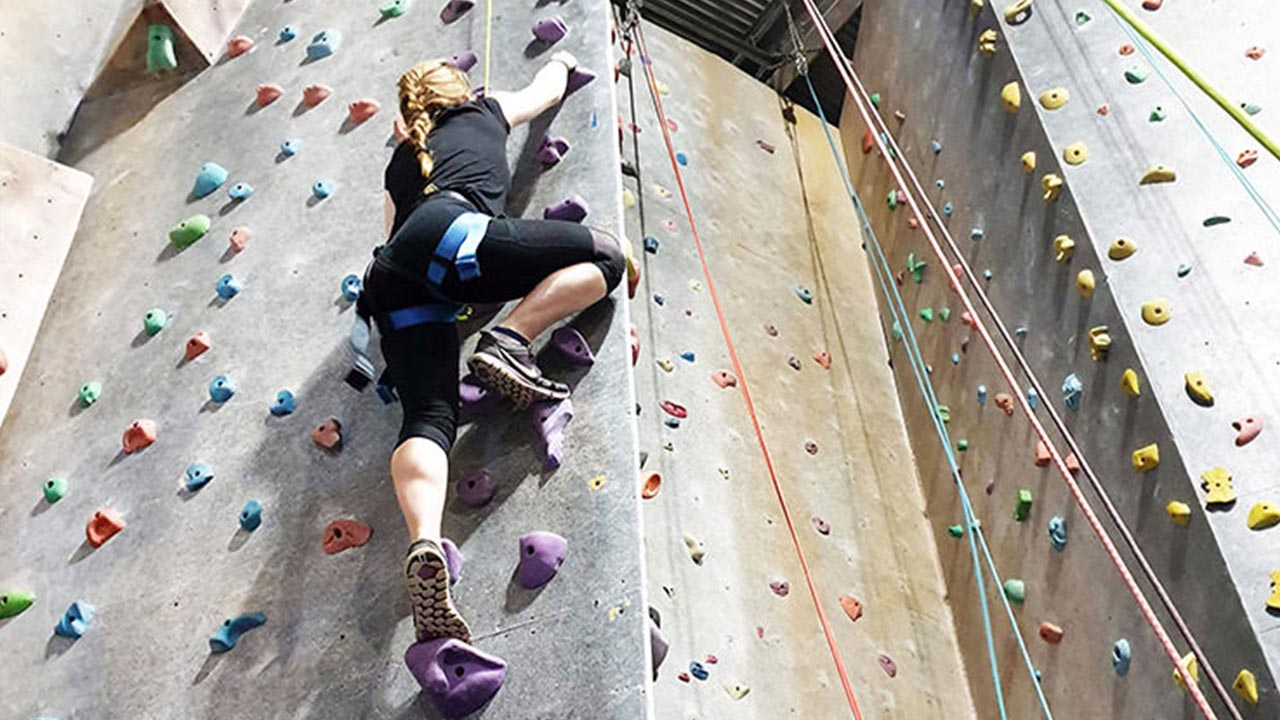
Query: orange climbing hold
[[269, 93], [345, 534], [238, 46], [822, 358], [652, 484], [197, 345], [724, 379], [1004, 401], [1247, 158], [362, 110], [103, 526], [1126, 49], [1255, 52], [328, 434], [1050, 633], [313, 95], [851, 607], [969, 320], [139, 434], [1042, 454], [868, 142], [1073, 463]]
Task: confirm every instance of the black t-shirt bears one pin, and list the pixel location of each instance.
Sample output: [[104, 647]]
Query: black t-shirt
[[469, 146]]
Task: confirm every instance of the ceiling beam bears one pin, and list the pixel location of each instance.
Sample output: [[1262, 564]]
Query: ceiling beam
[[679, 21], [837, 13]]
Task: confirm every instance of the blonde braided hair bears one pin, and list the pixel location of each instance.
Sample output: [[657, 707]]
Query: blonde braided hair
[[426, 90]]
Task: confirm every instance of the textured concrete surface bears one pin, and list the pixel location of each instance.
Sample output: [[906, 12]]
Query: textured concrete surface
[[770, 222], [1222, 322], [337, 626]]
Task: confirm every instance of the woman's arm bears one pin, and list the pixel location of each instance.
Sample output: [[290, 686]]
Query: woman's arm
[[546, 89], [388, 211]]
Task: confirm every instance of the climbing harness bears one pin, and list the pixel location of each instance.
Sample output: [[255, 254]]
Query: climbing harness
[[646, 61], [888, 147], [458, 248]]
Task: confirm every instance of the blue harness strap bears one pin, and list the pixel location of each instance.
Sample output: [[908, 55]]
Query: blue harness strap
[[458, 247]]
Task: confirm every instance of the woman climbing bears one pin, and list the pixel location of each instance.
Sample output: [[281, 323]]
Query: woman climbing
[[450, 244]]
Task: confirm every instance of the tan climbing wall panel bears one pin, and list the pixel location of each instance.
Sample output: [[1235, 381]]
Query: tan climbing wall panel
[[40, 202], [207, 24], [771, 221]]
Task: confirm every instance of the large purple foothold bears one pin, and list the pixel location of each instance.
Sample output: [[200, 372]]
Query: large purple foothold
[[572, 209], [452, 559], [464, 61], [573, 345], [552, 150], [550, 30], [477, 488], [455, 8], [552, 419], [458, 678], [658, 645], [541, 554], [578, 79]]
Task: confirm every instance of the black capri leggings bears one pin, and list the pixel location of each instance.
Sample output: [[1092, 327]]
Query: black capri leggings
[[514, 256]]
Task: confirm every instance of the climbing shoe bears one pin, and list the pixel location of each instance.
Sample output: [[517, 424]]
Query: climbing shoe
[[506, 364], [426, 577]]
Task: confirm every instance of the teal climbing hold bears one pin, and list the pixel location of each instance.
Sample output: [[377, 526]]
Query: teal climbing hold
[[393, 8], [940, 183], [875, 100], [228, 286], [287, 33], [986, 274], [210, 178], [956, 531], [975, 234], [240, 191], [221, 388], [955, 358], [1058, 533], [1082, 18], [1120, 656], [251, 516], [935, 146], [982, 395], [1157, 114], [198, 475], [55, 488], [89, 393], [1184, 270], [892, 199], [322, 189], [154, 321], [75, 621], [944, 314], [1015, 590], [323, 44], [947, 210], [915, 267], [352, 286], [1216, 220], [1072, 389], [1251, 108], [896, 332], [926, 314], [14, 602], [284, 404], [1033, 398], [160, 54], [290, 147], [804, 294], [962, 445], [1136, 74], [229, 633], [187, 232]]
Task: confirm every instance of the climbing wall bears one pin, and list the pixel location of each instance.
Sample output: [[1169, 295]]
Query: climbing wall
[[336, 625], [782, 246], [1202, 246]]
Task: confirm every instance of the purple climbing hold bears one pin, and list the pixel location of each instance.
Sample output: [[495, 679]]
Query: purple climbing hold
[[887, 664], [452, 559], [541, 554], [781, 588], [571, 209], [458, 678], [477, 488], [550, 30], [552, 150], [573, 345], [455, 8], [552, 419], [464, 61], [578, 78], [658, 645]]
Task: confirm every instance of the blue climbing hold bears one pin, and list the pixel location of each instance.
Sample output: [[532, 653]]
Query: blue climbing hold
[[287, 33], [322, 189], [198, 475], [229, 632], [687, 356], [75, 621], [975, 234], [1058, 533], [804, 294], [982, 395], [1120, 654], [697, 670], [935, 146], [1021, 330], [290, 147], [682, 158], [284, 403], [659, 299], [651, 245], [229, 286], [323, 44], [1072, 389], [240, 191], [986, 275], [210, 178], [352, 287], [955, 358], [672, 422], [251, 516], [1033, 398], [940, 183], [221, 389], [947, 209]]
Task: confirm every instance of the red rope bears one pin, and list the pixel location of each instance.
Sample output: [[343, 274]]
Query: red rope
[[1109, 547], [645, 60]]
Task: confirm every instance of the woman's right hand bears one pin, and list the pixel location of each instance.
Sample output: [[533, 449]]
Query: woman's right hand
[[563, 56]]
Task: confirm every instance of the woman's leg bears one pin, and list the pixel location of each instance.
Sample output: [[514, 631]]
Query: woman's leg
[[560, 295], [420, 472]]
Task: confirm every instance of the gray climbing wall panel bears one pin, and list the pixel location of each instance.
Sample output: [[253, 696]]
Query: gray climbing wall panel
[[771, 221], [337, 625], [1215, 568]]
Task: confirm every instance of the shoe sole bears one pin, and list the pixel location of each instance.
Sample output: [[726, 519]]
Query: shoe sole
[[521, 391], [434, 614]]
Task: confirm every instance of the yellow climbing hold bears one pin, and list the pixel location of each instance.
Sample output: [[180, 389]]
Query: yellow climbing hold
[[1054, 98], [737, 691], [975, 6], [1198, 388], [661, 191], [1063, 246], [663, 88], [1029, 161], [616, 610], [696, 550], [1263, 515], [1192, 667], [596, 482], [1146, 459], [1155, 312], [1158, 174], [628, 198], [1273, 601], [987, 42], [1085, 282], [1075, 153], [1011, 97], [1052, 185], [1129, 383], [1217, 482], [666, 365], [1099, 342], [1179, 512], [1018, 12], [1246, 686], [1121, 248]]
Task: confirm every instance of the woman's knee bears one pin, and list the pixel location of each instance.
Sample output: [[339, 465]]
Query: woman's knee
[[609, 258]]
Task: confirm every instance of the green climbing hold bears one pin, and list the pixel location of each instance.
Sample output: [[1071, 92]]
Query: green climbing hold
[[956, 531], [1082, 17], [1184, 270], [394, 8], [926, 314], [185, 233], [1136, 74], [90, 392], [1015, 590], [944, 413], [1251, 108], [13, 602], [1157, 114], [962, 445], [891, 199], [1022, 510], [875, 100], [915, 267], [54, 489], [944, 314], [154, 321], [897, 331], [160, 55], [1216, 220]]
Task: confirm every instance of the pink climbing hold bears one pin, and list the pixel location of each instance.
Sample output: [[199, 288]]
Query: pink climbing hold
[[455, 8], [552, 418], [766, 147], [570, 342], [541, 555], [1126, 49], [1004, 401], [457, 677], [671, 125], [821, 525], [477, 489], [781, 588], [550, 30], [1255, 52], [552, 150], [238, 46], [811, 447], [361, 110], [1247, 428], [1152, 5], [635, 345], [887, 664], [724, 379], [240, 239], [1247, 158], [674, 410], [1253, 259], [464, 61], [328, 434], [571, 209], [823, 358], [344, 534], [968, 319], [197, 345], [268, 93], [140, 434], [313, 95]]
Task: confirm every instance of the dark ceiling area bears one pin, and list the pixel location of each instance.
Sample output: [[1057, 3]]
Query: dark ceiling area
[[754, 36]]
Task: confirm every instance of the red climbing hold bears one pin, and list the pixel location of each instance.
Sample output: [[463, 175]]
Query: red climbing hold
[[313, 95], [328, 434], [1050, 633], [239, 238], [238, 46], [1247, 428], [912, 223], [1042, 453], [197, 345], [4, 363], [1073, 463], [1253, 259], [712, 659], [268, 94], [361, 110], [139, 434], [969, 320], [1104, 109], [1247, 158], [1255, 52], [683, 677], [671, 125], [1152, 5], [635, 345], [822, 358], [724, 379], [766, 147], [868, 142], [1004, 401], [102, 526], [674, 410], [345, 534], [1126, 49], [851, 607], [652, 484]]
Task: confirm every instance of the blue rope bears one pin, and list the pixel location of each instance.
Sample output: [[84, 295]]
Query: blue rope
[[1267, 211], [884, 277]]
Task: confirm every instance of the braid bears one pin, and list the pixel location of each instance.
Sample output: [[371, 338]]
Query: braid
[[421, 98]]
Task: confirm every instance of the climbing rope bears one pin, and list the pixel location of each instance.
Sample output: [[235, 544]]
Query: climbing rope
[[646, 63], [883, 141]]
